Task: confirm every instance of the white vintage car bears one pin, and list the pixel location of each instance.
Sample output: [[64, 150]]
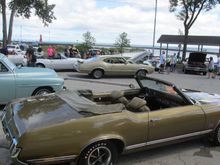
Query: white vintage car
[[59, 62], [17, 59]]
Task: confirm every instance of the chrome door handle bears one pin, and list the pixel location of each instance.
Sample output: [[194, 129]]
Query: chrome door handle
[[155, 120]]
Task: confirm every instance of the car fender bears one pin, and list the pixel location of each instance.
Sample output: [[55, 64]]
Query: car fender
[[142, 69], [103, 138], [97, 68]]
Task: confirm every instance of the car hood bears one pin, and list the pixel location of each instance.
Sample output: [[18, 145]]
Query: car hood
[[35, 72], [203, 97], [197, 57]]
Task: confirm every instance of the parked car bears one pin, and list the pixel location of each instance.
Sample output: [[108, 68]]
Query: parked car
[[99, 66], [17, 59], [17, 82], [141, 57], [195, 63], [59, 62], [13, 48], [96, 127], [154, 63]]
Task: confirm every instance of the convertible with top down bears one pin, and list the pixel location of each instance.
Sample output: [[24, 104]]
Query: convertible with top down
[[93, 128]]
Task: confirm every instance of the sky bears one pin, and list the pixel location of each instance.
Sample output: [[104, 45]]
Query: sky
[[106, 19]]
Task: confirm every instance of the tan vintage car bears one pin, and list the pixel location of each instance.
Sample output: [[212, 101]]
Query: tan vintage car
[[99, 66], [91, 128]]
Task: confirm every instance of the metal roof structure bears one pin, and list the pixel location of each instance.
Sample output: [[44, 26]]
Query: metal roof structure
[[200, 41], [192, 40]]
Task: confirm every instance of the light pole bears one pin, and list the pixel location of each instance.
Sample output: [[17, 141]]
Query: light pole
[[155, 22]]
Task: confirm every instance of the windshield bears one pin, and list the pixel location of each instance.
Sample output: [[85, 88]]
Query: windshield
[[11, 65], [158, 86]]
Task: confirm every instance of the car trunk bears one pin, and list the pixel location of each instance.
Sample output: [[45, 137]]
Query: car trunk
[[197, 59], [33, 113]]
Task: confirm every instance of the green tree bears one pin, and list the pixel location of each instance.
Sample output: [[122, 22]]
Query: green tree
[[188, 11], [88, 40], [24, 8], [88, 43], [122, 41]]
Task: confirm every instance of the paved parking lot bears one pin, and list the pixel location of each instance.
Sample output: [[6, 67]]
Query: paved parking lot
[[197, 152]]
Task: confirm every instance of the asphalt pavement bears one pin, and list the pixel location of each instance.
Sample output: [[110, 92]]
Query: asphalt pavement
[[198, 152]]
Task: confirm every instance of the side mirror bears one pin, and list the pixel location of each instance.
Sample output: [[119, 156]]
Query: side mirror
[[131, 86]]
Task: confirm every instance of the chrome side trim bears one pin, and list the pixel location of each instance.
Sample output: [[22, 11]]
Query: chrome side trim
[[167, 139], [53, 159]]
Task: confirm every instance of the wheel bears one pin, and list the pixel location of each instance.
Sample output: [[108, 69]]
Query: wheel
[[100, 153], [42, 91], [217, 136], [40, 66], [141, 73], [97, 74]]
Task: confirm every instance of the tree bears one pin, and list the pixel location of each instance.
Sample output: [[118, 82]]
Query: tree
[[188, 11], [122, 41], [88, 42], [88, 39], [25, 8]]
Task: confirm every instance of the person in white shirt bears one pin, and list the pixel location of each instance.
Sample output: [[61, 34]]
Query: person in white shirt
[[162, 61]]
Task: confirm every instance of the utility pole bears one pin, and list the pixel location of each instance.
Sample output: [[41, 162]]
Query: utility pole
[[155, 22]]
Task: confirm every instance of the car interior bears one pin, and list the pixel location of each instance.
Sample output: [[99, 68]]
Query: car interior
[[3, 68], [137, 100]]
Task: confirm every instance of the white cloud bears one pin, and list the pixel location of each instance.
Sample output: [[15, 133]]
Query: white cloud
[[107, 19]]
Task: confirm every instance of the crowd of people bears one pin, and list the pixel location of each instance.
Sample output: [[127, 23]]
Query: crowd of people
[[72, 52], [168, 63]]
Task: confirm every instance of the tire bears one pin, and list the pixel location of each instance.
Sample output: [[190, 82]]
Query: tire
[[42, 91], [40, 66], [99, 153], [217, 136], [141, 73], [97, 73]]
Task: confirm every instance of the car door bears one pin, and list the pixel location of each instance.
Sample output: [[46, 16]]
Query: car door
[[179, 122], [7, 84], [172, 114], [59, 62], [120, 66]]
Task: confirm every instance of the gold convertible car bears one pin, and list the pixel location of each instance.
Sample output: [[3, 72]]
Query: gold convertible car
[[92, 129], [99, 66]]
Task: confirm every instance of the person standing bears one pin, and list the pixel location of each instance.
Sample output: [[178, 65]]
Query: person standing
[[31, 58], [211, 68], [50, 52], [162, 61], [218, 65], [3, 50]]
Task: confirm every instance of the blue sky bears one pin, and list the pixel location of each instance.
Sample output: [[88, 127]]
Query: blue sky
[[106, 19]]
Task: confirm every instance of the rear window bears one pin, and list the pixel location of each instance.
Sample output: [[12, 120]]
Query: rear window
[[93, 59]]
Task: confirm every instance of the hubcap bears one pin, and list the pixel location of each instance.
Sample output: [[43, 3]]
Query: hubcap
[[98, 74], [141, 73], [100, 156], [42, 92]]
